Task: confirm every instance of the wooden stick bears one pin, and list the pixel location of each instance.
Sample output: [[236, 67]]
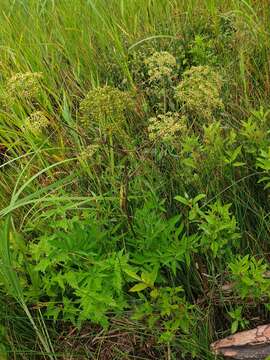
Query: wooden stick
[[246, 345]]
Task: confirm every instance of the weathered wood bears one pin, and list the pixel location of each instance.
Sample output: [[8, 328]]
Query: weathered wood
[[245, 345]]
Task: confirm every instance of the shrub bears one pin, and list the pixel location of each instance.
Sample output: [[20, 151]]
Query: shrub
[[167, 308]]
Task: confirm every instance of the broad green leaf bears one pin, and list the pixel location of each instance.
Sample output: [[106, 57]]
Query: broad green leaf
[[234, 326], [149, 277], [182, 200], [198, 198], [138, 287], [132, 274]]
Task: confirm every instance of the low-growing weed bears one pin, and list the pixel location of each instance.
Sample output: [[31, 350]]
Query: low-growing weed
[[249, 277]]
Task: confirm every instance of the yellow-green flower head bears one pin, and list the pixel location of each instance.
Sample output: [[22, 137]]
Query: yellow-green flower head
[[24, 85], [106, 106], [36, 122], [161, 65], [89, 152], [167, 127], [199, 92]]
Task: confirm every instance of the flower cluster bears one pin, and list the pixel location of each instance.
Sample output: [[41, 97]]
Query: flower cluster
[[161, 65], [199, 92], [24, 85], [89, 152], [165, 128], [36, 122], [107, 106]]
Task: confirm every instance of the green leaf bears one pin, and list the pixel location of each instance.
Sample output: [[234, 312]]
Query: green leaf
[[154, 293], [182, 200], [236, 153], [238, 163], [6, 268], [149, 277], [138, 287], [71, 278], [198, 198], [43, 264], [132, 274], [234, 326]]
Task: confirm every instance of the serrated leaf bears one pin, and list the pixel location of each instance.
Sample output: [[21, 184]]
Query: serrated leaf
[[43, 264], [72, 279]]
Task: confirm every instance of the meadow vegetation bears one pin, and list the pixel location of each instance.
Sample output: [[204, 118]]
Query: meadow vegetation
[[134, 176]]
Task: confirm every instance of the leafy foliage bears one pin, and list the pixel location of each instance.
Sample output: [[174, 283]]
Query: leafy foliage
[[82, 280], [238, 320], [249, 276], [168, 308]]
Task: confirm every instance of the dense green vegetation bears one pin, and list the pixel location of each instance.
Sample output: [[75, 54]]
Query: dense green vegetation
[[134, 176]]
